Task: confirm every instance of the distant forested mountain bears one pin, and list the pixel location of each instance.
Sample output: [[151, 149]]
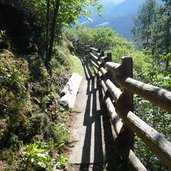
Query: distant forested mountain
[[118, 16]]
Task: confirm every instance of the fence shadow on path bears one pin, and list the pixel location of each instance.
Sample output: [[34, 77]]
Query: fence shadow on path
[[92, 121], [96, 119], [112, 159]]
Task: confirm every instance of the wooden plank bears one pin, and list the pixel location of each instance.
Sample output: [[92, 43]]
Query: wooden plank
[[115, 68], [99, 63], [98, 54], [125, 140], [95, 61], [116, 121], [70, 90], [155, 95]]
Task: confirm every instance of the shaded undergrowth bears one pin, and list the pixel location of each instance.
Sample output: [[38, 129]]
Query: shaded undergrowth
[[33, 127]]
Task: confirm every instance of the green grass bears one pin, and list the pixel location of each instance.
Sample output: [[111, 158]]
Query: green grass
[[76, 64]]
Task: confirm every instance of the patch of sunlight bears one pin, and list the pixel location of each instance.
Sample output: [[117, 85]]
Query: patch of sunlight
[[76, 64]]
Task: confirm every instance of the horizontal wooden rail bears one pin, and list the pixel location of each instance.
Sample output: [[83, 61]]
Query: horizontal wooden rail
[[93, 49], [156, 141], [115, 92], [155, 95], [95, 64], [103, 59], [114, 68], [116, 120], [103, 71], [93, 56], [118, 124], [119, 104]]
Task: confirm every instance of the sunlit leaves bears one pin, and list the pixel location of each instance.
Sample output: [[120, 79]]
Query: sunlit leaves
[[69, 11]]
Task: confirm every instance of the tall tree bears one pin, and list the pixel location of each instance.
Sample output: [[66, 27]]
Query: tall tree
[[57, 14], [146, 16], [161, 35], [52, 33], [47, 26], [152, 28]]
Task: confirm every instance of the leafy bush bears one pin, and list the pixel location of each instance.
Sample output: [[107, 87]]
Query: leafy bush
[[36, 157], [60, 134]]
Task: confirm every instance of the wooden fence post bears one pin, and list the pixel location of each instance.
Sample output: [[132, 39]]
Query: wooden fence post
[[127, 71], [87, 50], [125, 139], [77, 46], [109, 57], [102, 54], [109, 73]]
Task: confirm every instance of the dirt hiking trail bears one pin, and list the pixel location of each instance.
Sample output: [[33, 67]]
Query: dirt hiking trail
[[91, 130]]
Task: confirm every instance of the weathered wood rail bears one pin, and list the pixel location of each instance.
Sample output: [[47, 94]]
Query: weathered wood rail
[[119, 86]]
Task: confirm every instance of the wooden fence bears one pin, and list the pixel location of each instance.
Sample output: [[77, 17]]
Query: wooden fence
[[119, 86]]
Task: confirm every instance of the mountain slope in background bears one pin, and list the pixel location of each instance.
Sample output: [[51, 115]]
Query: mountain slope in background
[[116, 14]]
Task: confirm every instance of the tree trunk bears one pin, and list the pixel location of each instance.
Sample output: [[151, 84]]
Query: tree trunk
[[52, 33], [167, 41], [47, 27]]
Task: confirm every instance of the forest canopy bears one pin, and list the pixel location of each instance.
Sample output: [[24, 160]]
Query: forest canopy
[[152, 29], [51, 16]]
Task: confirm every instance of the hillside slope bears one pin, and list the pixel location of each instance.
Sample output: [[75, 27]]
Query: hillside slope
[[33, 126]]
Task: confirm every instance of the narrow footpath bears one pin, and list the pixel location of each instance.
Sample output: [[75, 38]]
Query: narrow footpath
[[91, 131]]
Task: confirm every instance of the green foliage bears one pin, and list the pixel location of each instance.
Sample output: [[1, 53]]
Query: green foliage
[[102, 38], [106, 39], [33, 128], [60, 134], [13, 78], [154, 116], [146, 16], [69, 12], [149, 159], [61, 162], [152, 30], [36, 156]]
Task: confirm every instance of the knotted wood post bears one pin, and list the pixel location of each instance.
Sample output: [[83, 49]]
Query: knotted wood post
[[109, 59], [89, 55], [83, 48], [102, 64], [87, 50], [125, 139], [127, 71], [77, 46], [109, 74], [102, 54]]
